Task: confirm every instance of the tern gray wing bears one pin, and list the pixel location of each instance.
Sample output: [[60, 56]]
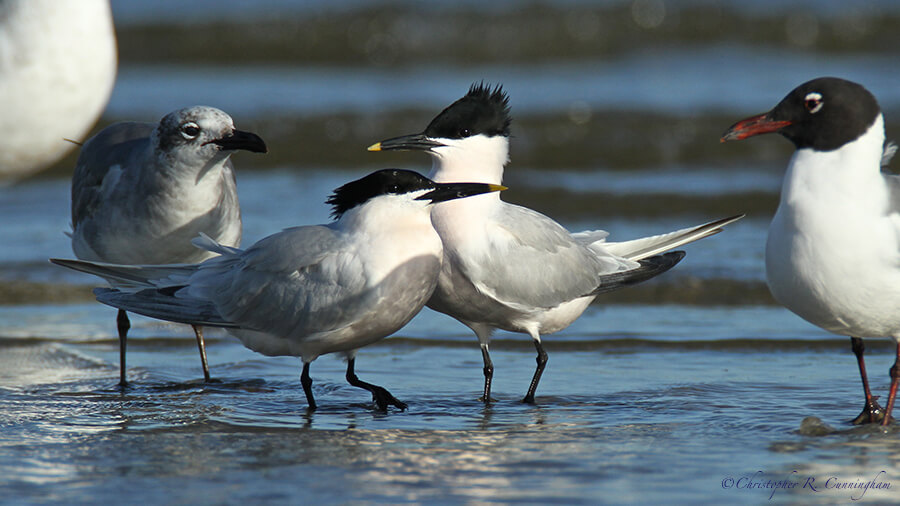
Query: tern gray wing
[[533, 261], [300, 281], [649, 268], [156, 303], [113, 148]]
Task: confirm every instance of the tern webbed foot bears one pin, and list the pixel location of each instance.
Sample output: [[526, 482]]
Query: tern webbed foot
[[541, 364], [306, 382], [380, 395], [383, 398]]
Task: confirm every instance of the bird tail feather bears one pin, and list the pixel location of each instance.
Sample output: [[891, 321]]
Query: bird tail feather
[[207, 243], [131, 276], [639, 249]]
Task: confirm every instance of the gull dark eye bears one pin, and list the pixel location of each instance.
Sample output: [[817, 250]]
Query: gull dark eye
[[190, 130], [813, 102], [464, 132]]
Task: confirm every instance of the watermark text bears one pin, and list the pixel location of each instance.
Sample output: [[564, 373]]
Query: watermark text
[[855, 487]]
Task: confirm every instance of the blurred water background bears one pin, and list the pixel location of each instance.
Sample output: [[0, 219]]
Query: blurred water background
[[661, 392]]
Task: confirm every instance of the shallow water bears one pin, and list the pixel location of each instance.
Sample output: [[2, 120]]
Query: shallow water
[[618, 419], [692, 388]]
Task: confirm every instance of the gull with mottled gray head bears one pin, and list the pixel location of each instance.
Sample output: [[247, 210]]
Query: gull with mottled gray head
[[142, 191]]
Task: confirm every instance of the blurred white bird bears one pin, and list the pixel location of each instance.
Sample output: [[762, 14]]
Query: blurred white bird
[[57, 70]]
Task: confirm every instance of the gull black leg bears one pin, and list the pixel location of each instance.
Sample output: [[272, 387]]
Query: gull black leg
[[895, 379], [488, 374], [198, 331], [541, 363], [872, 411], [379, 394], [306, 381], [123, 325]]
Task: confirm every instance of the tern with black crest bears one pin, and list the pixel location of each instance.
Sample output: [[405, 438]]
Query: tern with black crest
[[311, 290], [507, 266], [833, 249]]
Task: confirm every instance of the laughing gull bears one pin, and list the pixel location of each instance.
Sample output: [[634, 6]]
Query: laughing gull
[[833, 250], [507, 266], [142, 191], [311, 290], [57, 69]]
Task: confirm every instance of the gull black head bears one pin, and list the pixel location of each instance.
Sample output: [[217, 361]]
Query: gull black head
[[401, 182], [196, 134], [482, 111], [823, 114]]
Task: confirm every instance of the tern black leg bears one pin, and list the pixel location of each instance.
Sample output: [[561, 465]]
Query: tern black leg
[[381, 396], [872, 411], [198, 331], [541, 363], [895, 379], [306, 381], [123, 325], [488, 374]]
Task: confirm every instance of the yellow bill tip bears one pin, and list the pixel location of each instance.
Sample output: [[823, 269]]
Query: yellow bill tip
[[375, 147]]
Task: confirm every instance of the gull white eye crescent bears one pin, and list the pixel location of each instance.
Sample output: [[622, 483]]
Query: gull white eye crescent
[[190, 130], [813, 102]]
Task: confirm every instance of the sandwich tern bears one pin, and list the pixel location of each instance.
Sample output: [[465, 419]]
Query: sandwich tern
[[507, 266], [309, 290]]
